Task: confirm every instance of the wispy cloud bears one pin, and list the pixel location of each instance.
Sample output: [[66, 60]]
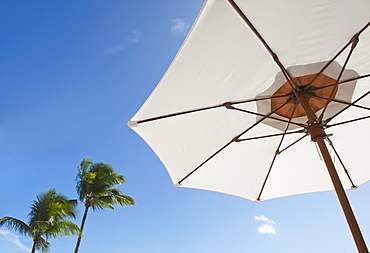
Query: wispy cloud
[[267, 226], [132, 38], [113, 50], [6, 235], [180, 27]]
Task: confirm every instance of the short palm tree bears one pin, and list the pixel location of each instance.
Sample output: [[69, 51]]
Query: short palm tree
[[95, 182], [47, 219]]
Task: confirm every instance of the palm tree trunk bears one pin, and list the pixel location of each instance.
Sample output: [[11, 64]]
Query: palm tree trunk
[[81, 229], [33, 250]]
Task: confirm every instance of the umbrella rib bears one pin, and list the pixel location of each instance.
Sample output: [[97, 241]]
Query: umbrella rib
[[268, 136], [348, 121], [251, 26], [295, 142], [256, 99], [177, 114], [341, 162], [343, 102], [206, 108], [341, 82], [275, 155], [227, 144], [332, 60], [354, 41], [270, 117], [345, 108], [268, 48]]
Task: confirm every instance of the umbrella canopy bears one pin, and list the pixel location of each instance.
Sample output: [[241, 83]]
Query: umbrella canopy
[[254, 87], [187, 124]]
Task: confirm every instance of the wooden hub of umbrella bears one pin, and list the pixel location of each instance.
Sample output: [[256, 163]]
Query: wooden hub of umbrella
[[317, 90]]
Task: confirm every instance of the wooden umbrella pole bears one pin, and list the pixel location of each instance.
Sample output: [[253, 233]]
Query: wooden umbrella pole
[[317, 132], [346, 206]]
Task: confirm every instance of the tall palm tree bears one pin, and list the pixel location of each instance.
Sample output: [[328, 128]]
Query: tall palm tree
[[47, 219], [95, 182]]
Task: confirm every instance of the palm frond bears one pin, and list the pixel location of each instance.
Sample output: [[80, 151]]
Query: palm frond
[[85, 163], [16, 225], [83, 175], [124, 200], [62, 228], [42, 245], [97, 204], [52, 206], [39, 226], [62, 209], [95, 186], [39, 206], [110, 198]]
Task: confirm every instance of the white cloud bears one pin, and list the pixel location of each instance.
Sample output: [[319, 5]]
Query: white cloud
[[180, 27], [133, 38], [6, 235], [267, 227], [264, 219], [113, 50]]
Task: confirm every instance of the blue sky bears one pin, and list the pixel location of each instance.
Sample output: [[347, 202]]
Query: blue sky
[[72, 73]]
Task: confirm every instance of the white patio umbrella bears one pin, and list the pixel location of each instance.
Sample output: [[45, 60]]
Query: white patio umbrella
[[256, 90]]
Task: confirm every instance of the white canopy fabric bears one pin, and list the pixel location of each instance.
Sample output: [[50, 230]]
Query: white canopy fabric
[[222, 60]]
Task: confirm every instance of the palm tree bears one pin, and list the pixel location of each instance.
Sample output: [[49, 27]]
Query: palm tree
[[95, 182], [47, 219]]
